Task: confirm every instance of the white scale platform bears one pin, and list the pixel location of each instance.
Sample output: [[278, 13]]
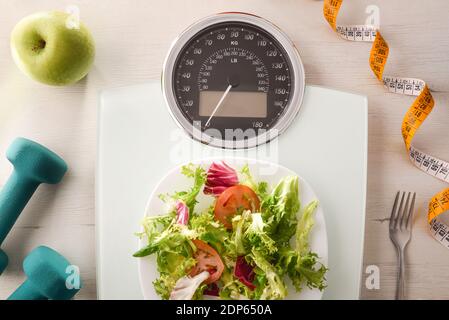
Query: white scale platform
[[138, 142]]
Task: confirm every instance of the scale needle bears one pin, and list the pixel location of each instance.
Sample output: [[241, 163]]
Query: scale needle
[[219, 104]]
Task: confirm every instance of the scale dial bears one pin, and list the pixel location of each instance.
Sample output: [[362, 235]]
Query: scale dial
[[233, 81]]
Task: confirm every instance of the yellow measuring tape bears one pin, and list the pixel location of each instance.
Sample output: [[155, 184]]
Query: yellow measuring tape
[[415, 116]]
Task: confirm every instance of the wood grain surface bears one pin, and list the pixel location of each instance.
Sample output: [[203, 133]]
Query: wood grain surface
[[132, 38]]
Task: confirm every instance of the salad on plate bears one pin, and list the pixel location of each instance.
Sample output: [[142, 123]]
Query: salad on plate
[[246, 245]]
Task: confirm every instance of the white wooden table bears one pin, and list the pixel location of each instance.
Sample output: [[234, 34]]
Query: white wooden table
[[132, 40]]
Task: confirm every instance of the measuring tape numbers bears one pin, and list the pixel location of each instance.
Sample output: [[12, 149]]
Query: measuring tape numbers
[[414, 117]]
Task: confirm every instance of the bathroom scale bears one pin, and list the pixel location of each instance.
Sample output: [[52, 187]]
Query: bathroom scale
[[232, 86]]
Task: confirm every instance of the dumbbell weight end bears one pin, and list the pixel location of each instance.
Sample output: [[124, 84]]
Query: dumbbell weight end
[[27, 291], [49, 276]]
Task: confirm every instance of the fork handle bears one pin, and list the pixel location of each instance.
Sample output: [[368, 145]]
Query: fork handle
[[400, 285]]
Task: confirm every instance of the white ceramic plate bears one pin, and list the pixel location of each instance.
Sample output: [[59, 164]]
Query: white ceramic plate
[[261, 170]]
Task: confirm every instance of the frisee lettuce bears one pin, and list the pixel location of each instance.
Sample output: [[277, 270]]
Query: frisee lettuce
[[274, 288], [279, 210], [247, 179], [262, 238], [198, 174]]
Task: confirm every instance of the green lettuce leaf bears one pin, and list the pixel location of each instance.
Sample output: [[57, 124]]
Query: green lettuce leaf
[[247, 179], [198, 174], [170, 271], [257, 238], [199, 178], [210, 230], [274, 288], [176, 238], [249, 233], [302, 265], [174, 253], [232, 288], [305, 224], [279, 210], [310, 271], [239, 226]]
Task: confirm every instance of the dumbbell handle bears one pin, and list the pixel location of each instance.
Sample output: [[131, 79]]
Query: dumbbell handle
[[14, 196], [27, 291]]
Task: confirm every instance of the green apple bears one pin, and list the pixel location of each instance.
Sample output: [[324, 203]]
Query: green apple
[[50, 48]]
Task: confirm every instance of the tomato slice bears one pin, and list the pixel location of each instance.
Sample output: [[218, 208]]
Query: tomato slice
[[235, 199], [207, 260]]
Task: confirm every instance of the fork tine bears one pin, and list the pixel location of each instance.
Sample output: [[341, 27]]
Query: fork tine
[[410, 212], [393, 211], [405, 212], [401, 204]]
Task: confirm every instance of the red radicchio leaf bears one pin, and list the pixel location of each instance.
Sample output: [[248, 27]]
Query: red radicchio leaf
[[182, 213], [212, 289], [220, 176], [244, 272]]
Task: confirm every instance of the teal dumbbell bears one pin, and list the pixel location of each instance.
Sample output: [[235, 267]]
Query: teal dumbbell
[[33, 164], [47, 275]]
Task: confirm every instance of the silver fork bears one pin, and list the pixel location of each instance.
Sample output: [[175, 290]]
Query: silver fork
[[400, 234]]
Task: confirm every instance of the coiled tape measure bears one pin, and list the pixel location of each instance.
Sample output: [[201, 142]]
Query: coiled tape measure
[[415, 116]]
